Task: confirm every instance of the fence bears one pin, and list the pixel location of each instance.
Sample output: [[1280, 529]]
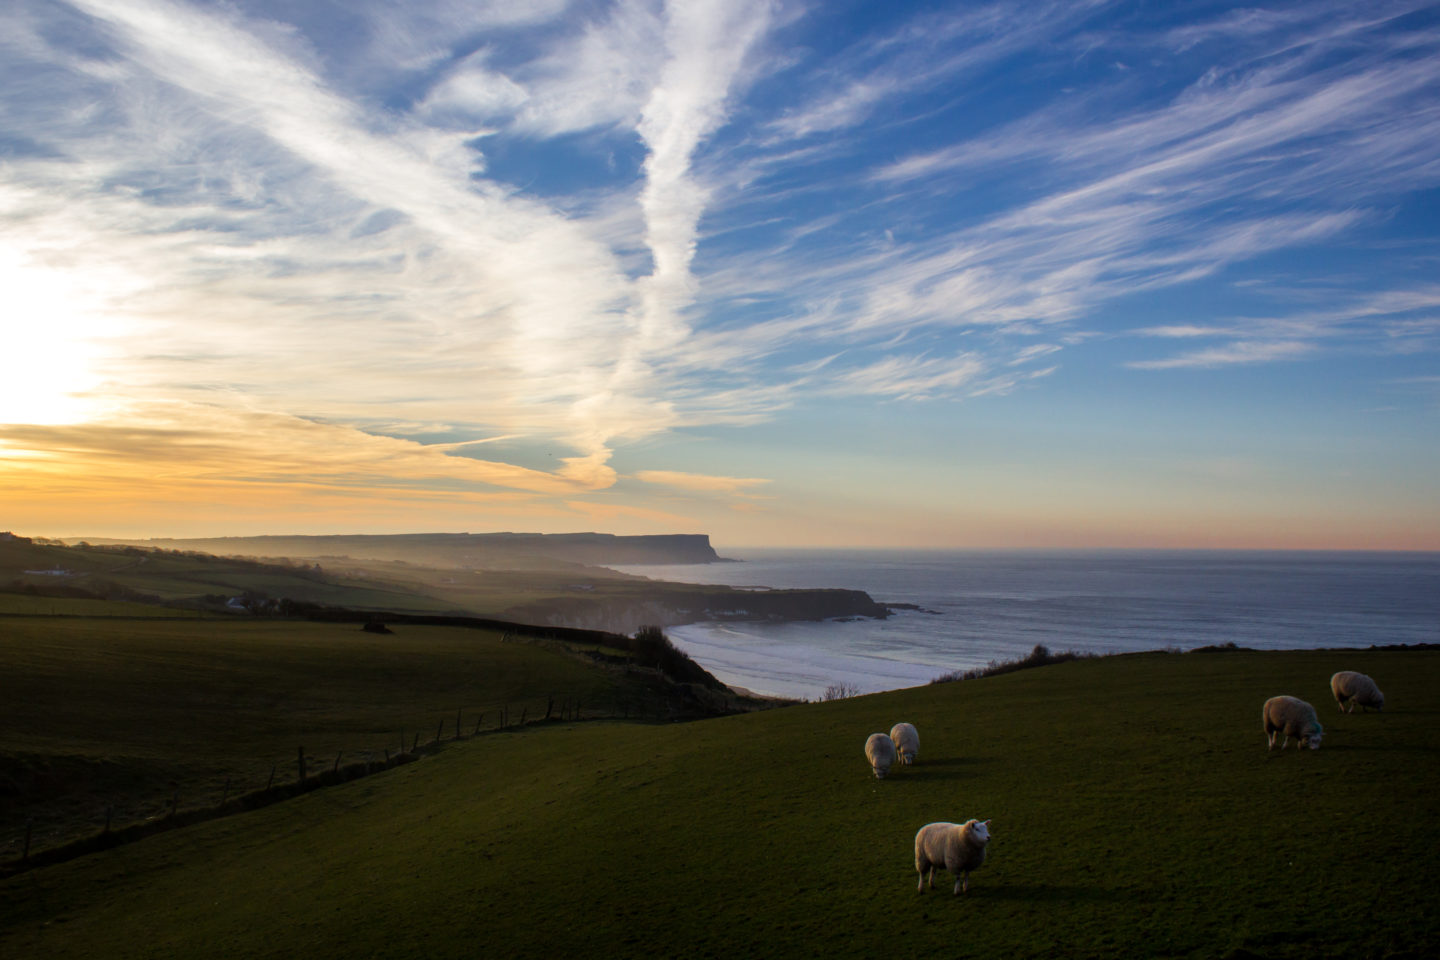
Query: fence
[[312, 773]]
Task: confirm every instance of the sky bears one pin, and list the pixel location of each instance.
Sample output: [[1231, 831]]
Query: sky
[[930, 275]]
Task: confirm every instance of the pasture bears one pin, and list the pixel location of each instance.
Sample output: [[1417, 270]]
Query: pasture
[[109, 712], [1136, 812]]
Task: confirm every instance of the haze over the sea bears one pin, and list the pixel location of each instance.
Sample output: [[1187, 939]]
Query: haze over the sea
[[924, 274]]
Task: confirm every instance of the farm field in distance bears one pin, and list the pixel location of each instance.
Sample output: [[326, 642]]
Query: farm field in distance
[[515, 588], [1136, 812]]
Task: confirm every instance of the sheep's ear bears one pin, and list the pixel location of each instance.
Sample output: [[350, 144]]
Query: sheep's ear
[[987, 824]]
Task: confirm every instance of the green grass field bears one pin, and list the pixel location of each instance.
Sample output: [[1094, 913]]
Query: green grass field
[[1136, 812], [111, 712]]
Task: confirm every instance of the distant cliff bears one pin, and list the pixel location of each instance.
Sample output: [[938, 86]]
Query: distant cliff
[[473, 550], [671, 605]]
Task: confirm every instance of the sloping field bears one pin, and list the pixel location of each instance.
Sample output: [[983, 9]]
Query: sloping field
[[125, 714], [1136, 812]]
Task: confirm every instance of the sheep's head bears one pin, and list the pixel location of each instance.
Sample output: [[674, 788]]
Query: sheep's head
[[1313, 739], [1379, 703], [979, 830]]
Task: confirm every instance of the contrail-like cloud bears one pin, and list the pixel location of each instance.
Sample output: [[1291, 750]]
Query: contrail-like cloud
[[706, 43]]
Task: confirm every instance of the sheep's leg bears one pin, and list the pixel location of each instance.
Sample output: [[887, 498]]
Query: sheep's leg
[[932, 876]]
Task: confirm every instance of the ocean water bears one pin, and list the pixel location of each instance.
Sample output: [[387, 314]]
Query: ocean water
[[983, 606]]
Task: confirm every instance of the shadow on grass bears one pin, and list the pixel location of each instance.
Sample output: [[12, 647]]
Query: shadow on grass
[[1053, 893], [941, 768]]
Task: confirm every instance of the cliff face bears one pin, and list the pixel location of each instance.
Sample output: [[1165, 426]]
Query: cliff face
[[675, 607]]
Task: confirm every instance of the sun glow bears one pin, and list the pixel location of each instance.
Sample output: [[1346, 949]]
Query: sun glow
[[52, 329]]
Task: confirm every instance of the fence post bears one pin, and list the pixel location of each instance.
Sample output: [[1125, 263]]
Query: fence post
[[29, 826], [402, 739], [523, 711], [439, 731], [477, 724], [336, 769], [300, 762], [226, 795], [109, 812], [457, 724], [175, 800], [549, 705], [416, 745], [271, 782]]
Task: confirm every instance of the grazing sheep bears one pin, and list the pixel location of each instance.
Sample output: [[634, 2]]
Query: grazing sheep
[[907, 741], [1294, 718], [1357, 688], [880, 751], [959, 848]]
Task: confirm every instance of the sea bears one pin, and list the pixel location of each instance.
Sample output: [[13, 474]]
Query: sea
[[974, 607]]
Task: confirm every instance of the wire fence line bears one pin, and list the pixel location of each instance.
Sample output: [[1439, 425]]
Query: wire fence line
[[306, 772]]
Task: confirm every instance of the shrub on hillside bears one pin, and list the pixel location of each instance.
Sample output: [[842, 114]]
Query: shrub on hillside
[[651, 648], [1038, 657]]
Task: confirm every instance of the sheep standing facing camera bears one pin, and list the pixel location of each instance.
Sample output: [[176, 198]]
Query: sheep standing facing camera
[[880, 751], [907, 741], [1347, 685], [957, 847], [1294, 718]]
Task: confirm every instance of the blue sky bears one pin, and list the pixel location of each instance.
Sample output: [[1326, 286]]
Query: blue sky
[[1071, 274]]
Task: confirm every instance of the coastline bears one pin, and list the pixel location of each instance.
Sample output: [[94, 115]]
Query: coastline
[[960, 610]]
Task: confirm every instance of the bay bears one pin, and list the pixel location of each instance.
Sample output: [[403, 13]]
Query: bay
[[979, 606]]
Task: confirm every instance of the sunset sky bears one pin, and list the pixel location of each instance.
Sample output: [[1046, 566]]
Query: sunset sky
[[827, 273]]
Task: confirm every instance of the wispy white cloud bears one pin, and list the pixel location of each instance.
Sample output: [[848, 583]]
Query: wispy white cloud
[[599, 76], [1240, 352], [929, 49], [1390, 319], [1143, 200], [701, 483]]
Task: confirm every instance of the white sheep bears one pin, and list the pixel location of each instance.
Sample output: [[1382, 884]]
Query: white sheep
[[1356, 688], [907, 741], [959, 848], [880, 751], [1294, 718]]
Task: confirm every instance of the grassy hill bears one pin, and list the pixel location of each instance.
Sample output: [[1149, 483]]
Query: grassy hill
[[1136, 812], [134, 714]]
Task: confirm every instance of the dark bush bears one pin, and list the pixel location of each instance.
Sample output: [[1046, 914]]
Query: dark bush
[[1038, 657]]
